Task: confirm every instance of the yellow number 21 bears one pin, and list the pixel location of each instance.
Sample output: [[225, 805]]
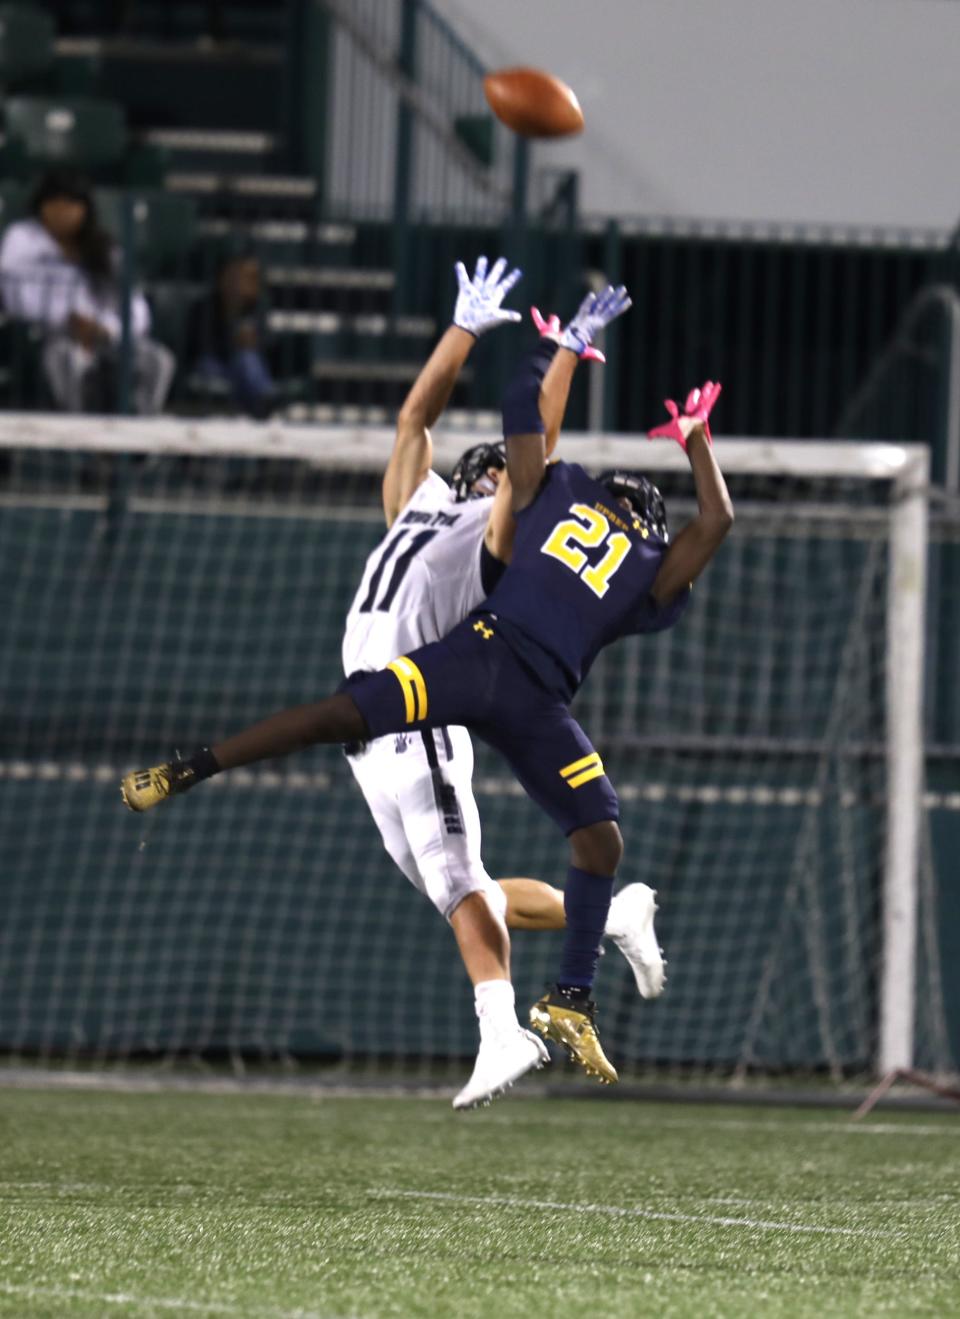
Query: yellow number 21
[[591, 530]]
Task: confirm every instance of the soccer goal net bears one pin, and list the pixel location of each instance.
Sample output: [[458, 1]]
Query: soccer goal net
[[166, 583]]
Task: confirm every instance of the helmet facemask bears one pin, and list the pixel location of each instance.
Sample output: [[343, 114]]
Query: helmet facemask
[[645, 500], [472, 467]]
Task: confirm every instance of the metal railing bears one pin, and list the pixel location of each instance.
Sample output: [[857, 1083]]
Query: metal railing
[[791, 325], [411, 137], [912, 390], [809, 340]]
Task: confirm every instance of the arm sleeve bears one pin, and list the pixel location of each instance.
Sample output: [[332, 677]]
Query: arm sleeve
[[521, 400], [491, 569]]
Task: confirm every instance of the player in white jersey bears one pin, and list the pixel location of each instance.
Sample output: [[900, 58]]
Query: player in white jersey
[[446, 547]]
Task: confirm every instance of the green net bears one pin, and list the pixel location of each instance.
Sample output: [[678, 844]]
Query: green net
[[165, 587]]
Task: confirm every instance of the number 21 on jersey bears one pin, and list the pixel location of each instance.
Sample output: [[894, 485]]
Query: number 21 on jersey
[[590, 530]]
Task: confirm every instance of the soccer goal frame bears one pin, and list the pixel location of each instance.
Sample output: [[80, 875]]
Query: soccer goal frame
[[904, 469]]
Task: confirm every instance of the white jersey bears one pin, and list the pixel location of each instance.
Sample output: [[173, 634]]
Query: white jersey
[[421, 580]]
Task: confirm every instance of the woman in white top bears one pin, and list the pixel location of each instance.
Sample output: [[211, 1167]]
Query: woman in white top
[[59, 270]]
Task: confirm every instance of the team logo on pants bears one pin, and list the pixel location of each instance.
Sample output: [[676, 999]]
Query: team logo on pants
[[447, 804]]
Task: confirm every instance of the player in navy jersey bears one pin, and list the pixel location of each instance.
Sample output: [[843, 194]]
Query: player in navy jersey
[[591, 563]]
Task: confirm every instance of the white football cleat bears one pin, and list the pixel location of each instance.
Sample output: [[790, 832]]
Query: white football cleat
[[503, 1058], [630, 926]]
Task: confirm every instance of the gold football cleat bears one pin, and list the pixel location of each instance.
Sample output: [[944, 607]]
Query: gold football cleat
[[559, 1018], [146, 788]]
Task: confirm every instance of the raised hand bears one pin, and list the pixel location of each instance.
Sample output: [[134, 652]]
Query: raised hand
[[596, 311], [696, 411], [478, 302], [550, 329]]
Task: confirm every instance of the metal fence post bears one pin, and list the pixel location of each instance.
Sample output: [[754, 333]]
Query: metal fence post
[[402, 178], [613, 346], [306, 110], [949, 400]]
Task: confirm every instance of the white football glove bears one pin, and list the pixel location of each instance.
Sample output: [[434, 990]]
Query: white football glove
[[478, 302], [596, 311]]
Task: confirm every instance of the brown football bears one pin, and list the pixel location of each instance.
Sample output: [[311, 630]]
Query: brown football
[[533, 103]]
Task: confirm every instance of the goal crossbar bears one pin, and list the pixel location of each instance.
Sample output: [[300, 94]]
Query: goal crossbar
[[366, 448]]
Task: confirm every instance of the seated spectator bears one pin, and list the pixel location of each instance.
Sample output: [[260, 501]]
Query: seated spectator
[[59, 270], [226, 335]]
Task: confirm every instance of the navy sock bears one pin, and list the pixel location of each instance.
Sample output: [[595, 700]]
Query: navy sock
[[586, 901]]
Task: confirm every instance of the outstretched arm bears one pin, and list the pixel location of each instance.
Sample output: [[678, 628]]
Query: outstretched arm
[[412, 454], [700, 539], [477, 310], [532, 427], [531, 416], [551, 405], [556, 386]]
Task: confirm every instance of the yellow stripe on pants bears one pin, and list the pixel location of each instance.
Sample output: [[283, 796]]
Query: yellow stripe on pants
[[583, 770]]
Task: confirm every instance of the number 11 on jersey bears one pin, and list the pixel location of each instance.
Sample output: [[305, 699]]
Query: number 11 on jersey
[[400, 565], [591, 531]]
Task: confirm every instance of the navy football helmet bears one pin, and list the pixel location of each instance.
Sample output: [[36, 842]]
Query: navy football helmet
[[643, 496], [472, 465]]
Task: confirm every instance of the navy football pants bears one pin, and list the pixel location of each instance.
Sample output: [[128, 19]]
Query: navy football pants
[[472, 677]]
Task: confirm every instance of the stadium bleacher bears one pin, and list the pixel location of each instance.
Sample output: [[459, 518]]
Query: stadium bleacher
[[207, 173]]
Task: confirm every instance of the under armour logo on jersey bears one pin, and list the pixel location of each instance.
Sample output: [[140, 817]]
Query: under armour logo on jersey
[[481, 627]]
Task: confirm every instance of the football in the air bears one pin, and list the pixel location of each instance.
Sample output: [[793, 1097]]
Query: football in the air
[[533, 103]]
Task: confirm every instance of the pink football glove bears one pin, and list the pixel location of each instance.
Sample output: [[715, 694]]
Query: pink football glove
[[698, 405], [551, 327]]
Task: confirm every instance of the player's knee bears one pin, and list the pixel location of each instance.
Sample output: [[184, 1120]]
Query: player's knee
[[480, 906], [598, 848], [446, 891], [497, 899]]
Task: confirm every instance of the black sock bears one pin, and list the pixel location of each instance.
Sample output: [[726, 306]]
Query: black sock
[[203, 763]]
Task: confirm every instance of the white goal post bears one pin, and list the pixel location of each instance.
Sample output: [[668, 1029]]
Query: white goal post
[[903, 469]]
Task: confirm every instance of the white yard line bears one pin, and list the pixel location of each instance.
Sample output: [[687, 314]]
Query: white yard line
[[177, 1304], [616, 1211]]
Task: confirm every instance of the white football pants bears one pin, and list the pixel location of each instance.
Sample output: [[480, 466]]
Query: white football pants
[[419, 790]]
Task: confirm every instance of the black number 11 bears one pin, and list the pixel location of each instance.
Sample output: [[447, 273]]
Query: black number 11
[[400, 567]]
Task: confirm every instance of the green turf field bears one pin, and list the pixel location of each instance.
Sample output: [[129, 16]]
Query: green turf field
[[289, 1205]]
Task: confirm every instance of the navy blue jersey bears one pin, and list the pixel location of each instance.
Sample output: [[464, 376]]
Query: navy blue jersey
[[579, 578]]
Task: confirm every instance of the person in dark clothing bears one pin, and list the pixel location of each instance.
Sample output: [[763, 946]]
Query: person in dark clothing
[[226, 336]]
